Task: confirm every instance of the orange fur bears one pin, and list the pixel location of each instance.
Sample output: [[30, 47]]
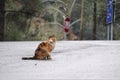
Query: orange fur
[[43, 51]]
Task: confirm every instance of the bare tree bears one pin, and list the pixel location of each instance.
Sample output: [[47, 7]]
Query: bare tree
[[81, 22], [94, 20]]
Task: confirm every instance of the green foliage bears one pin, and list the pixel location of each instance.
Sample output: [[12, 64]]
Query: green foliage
[[17, 14], [12, 5], [13, 33], [20, 24]]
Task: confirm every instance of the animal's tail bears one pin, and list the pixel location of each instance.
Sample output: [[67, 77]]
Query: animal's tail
[[28, 58]]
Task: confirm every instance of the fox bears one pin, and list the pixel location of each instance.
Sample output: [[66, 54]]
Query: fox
[[44, 49]]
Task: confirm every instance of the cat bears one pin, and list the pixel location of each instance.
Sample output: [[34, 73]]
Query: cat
[[44, 49]]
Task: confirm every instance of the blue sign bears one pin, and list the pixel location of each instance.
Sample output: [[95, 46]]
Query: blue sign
[[109, 17]]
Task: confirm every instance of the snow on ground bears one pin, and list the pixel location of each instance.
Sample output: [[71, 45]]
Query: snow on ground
[[70, 60]]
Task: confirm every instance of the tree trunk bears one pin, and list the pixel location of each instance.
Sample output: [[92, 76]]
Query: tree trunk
[[94, 20], [2, 19], [81, 22]]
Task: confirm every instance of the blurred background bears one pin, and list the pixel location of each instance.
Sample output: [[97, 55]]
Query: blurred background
[[29, 20]]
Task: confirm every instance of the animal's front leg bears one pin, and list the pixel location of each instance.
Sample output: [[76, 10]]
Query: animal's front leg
[[49, 57]]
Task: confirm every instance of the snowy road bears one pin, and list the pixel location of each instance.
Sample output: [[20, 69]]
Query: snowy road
[[71, 60]]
